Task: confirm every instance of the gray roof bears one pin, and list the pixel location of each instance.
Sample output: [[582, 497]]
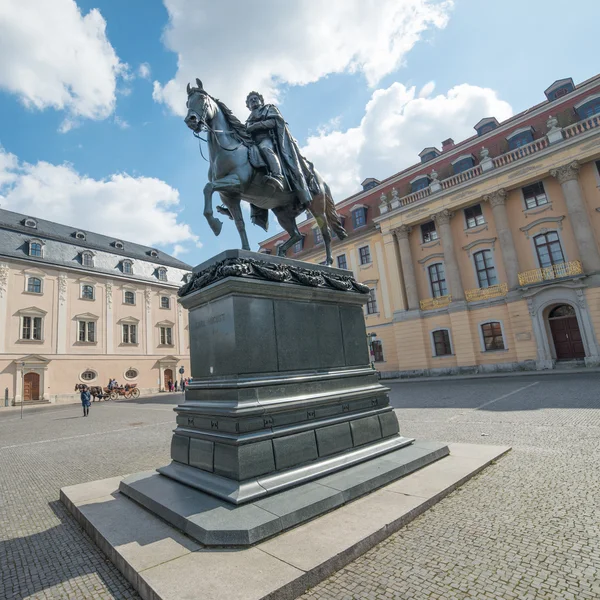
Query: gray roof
[[47, 230]]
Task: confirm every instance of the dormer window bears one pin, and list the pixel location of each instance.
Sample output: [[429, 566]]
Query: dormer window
[[463, 163], [29, 222], [428, 154], [119, 245], [153, 253], [486, 125], [80, 235], [419, 183], [127, 267], [36, 248], [87, 259], [589, 107], [520, 137], [559, 88], [370, 183], [162, 274]]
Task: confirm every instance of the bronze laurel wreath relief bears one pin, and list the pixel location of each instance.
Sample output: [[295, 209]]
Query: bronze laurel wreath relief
[[257, 269]]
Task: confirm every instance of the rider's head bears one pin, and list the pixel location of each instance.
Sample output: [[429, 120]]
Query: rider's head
[[254, 100]]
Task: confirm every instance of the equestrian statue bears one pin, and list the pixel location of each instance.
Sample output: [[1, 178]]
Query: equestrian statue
[[259, 162]]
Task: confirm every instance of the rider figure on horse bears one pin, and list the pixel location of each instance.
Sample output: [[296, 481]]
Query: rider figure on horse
[[278, 148]]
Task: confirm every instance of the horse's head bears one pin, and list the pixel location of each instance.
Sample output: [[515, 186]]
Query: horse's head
[[200, 108]]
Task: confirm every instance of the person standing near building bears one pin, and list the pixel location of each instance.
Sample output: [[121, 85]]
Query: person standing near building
[[85, 400], [175, 384]]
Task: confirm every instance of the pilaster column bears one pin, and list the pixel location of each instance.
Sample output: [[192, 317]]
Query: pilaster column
[[180, 329], [61, 316], [109, 326], [4, 270], [455, 285], [568, 177], [149, 328], [497, 201], [408, 269]]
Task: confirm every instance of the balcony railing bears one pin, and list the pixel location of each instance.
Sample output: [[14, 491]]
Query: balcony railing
[[558, 271], [508, 158], [431, 303], [493, 291], [581, 127], [461, 177]]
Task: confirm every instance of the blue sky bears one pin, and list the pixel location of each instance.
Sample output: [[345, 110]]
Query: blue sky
[[91, 139]]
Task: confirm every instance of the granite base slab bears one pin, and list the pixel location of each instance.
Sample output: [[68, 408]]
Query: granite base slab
[[161, 563], [214, 521]]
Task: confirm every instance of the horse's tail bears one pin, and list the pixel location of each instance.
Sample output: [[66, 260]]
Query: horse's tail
[[333, 219]]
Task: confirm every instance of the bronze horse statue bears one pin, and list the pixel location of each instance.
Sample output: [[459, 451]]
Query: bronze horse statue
[[232, 174]]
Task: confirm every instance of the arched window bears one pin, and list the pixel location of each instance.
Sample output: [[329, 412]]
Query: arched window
[[441, 342], [87, 292], [484, 265], [491, 334], [35, 248], [162, 274], [127, 266], [437, 278], [87, 259], [34, 285], [548, 248], [129, 297], [564, 310]]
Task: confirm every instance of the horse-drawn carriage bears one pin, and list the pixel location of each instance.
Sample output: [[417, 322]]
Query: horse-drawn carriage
[[129, 390]]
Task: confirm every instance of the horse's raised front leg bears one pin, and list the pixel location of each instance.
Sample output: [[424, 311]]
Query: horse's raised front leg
[[229, 183]]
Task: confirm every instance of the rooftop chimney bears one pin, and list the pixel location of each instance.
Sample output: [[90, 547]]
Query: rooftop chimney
[[447, 145]]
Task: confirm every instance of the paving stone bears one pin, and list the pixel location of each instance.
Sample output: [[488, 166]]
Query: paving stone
[[532, 515]]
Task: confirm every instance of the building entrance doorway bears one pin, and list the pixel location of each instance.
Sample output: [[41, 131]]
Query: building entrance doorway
[[565, 333], [31, 387], [168, 377]]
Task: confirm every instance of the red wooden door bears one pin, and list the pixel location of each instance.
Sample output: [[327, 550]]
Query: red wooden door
[[168, 377], [567, 338], [31, 387]]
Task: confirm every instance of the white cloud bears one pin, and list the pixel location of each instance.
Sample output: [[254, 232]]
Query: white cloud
[[139, 209], [52, 56], [396, 126], [288, 42], [144, 71], [121, 123], [427, 89]]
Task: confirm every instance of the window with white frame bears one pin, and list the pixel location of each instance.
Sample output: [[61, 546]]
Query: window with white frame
[[34, 285], [364, 255], [166, 336], [87, 259], [548, 249], [80, 235], [474, 216], [484, 266], [491, 335], [372, 302], [129, 333], [31, 328], [36, 248], [428, 232], [535, 195], [162, 274], [127, 267], [153, 253], [441, 342], [30, 223], [165, 302], [87, 331], [87, 292], [437, 278], [119, 245], [129, 297]]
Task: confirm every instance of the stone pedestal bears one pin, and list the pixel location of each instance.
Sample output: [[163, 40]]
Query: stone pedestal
[[282, 392]]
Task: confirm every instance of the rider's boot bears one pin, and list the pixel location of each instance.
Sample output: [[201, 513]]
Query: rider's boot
[[275, 176]]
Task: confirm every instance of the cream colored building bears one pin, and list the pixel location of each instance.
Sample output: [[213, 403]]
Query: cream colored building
[[78, 307], [484, 256]]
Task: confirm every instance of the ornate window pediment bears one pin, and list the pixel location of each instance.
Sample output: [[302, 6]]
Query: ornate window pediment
[[32, 311], [86, 317], [130, 320], [165, 323]]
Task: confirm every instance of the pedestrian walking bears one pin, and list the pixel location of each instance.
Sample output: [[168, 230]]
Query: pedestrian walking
[[182, 384], [175, 384], [85, 400], [170, 385]]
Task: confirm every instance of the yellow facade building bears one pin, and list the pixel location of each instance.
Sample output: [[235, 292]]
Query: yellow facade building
[[484, 256]]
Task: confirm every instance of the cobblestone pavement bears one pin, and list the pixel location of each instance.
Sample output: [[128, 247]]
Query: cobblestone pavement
[[528, 527]]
